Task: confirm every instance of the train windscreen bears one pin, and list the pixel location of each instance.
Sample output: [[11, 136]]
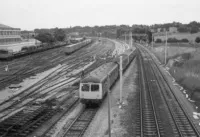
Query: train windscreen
[[85, 87], [94, 87]]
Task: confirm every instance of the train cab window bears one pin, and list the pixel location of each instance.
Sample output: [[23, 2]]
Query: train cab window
[[94, 87], [85, 87]]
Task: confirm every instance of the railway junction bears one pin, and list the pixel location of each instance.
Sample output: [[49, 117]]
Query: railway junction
[[45, 102]]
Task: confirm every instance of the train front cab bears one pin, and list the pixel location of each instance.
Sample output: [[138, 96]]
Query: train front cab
[[90, 93]]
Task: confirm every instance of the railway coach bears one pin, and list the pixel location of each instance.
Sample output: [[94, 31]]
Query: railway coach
[[72, 48], [94, 87], [5, 53]]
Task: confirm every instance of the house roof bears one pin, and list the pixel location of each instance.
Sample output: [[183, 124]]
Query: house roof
[[99, 74]]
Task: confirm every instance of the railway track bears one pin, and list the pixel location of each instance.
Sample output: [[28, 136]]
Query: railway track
[[64, 71], [81, 122], [147, 116], [25, 126], [58, 58], [181, 121], [47, 81], [27, 120]]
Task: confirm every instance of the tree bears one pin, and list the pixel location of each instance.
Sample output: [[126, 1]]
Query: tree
[[194, 29], [45, 37], [194, 23], [184, 40], [118, 33], [182, 29], [172, 40], [149, 36], [197, 40], [59, 34]]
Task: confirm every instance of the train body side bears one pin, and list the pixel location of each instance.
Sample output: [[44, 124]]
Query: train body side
[[72, 48], [100, 77], [26, 50]]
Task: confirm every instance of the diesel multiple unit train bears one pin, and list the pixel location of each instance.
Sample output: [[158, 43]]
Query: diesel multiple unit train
[[72, 48], [94, 86]]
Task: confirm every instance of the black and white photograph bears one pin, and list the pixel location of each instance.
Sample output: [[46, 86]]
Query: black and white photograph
[[99, 68]]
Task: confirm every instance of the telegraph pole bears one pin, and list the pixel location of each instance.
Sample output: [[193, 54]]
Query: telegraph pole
[[166, 49]]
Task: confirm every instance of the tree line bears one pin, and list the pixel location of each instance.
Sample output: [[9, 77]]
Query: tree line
[[50, 35], [174, 40], [192, 27], [113, 31]]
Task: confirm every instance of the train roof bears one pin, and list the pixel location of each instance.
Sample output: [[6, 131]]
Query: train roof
[[99, 74]]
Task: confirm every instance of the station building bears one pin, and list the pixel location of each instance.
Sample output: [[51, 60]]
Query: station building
[[9, 35]]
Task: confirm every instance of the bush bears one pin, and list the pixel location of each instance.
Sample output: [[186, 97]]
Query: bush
[[197, 40], [186, 56], [184, 40], [172, 40], [183, 29], [158, 41]]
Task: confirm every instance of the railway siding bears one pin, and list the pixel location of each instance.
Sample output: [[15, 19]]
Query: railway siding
[[32, 81], [43, 90]]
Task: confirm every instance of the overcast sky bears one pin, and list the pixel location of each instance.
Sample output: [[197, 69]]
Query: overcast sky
[[31, 14]]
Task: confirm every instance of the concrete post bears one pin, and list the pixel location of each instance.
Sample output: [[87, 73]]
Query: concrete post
[[121, 79]]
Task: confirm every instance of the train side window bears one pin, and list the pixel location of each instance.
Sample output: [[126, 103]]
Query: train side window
[[95, 87], [85, 87], [3, 52]]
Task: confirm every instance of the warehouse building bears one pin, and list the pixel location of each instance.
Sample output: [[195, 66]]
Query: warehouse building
[[9, 35]]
